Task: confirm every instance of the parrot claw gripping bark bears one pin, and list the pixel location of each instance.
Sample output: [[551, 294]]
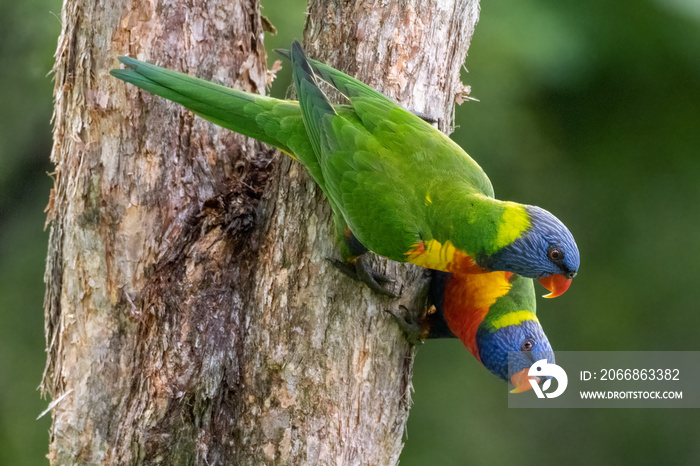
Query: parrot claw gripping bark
[[397, 186], [356, 265], [362, 271], [416, 328], [422, 325], [493, 314]]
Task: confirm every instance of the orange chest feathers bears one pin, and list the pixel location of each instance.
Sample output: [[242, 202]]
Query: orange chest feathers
[[468, 298]]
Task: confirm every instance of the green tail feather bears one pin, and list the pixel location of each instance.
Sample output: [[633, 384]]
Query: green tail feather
[[275, 122]]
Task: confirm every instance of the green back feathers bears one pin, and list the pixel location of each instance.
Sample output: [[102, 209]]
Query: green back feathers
[[398, 129]]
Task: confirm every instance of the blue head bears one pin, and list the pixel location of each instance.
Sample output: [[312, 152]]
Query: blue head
[[524, 342], [545, 251]]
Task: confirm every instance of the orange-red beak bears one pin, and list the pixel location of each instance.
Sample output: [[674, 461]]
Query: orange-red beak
[[520, 381], [556, 284]]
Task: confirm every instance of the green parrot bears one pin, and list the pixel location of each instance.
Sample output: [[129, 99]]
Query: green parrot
[[493, 314], [397, 186]]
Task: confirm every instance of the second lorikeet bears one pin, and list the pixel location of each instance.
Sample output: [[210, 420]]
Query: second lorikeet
[[493, 314], [397, 186]]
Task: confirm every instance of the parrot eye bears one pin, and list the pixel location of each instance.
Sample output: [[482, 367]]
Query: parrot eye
[[555, 255], [527, 345]]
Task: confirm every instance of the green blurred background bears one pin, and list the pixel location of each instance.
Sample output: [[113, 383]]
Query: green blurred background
[[589, 109]]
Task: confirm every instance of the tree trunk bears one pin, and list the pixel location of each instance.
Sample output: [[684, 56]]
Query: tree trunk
[[191, 314]]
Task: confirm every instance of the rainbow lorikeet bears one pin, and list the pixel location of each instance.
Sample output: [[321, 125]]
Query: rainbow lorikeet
[[494, 316], [397, 186]]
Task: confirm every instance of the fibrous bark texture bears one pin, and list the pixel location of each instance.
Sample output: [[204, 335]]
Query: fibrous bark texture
[[191, 314]]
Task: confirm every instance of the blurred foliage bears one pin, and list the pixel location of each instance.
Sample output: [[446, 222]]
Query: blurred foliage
[[28, 33], [589, 109]]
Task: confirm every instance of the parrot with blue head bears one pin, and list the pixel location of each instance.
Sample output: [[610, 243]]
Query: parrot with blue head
[[493, 314], [397, 186]]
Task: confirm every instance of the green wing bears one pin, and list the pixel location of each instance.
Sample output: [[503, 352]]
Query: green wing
[[381, 163], [345, 84]]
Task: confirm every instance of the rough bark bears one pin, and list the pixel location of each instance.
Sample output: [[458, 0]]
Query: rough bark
[[191, 314]]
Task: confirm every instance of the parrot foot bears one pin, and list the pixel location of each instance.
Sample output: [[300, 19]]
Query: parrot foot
[[411, 325], [361, 270]]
